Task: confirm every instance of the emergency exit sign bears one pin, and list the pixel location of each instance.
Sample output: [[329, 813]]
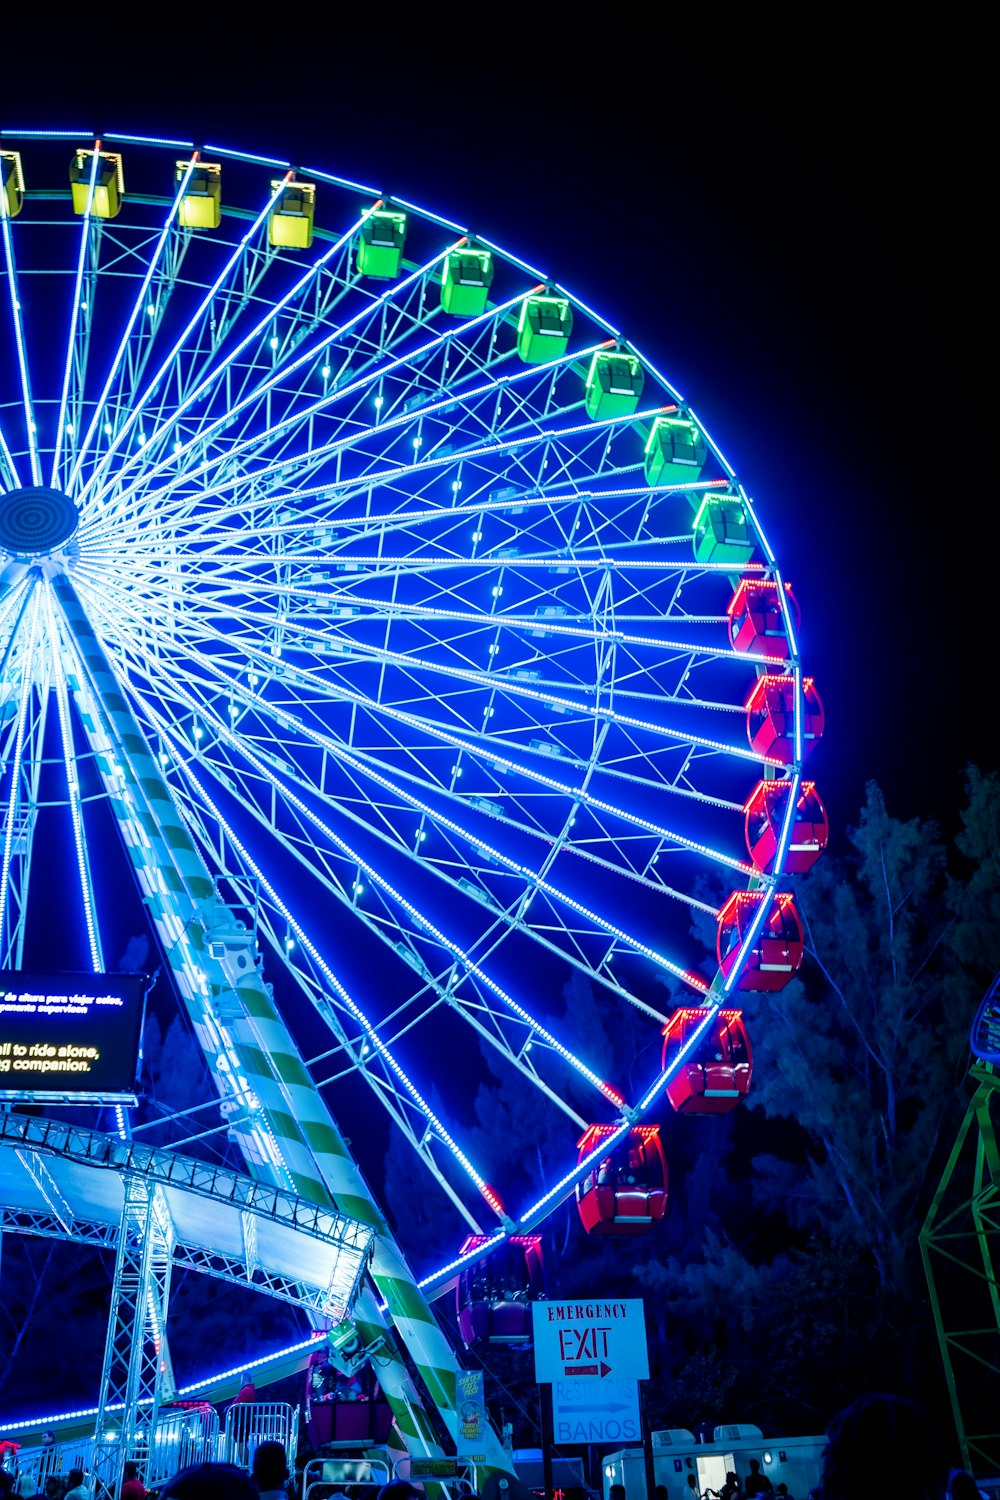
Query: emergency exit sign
[[598, 1338]]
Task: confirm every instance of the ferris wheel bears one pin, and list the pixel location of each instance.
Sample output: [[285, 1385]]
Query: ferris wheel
[[422, 646]]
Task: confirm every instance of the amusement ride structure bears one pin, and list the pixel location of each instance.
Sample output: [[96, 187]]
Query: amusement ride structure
[[960, 1246], [423, 648]]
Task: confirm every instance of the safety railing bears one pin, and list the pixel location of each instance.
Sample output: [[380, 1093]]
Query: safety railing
[[250, 1423], [34, 1466], [182, 1438], [325, 1477]]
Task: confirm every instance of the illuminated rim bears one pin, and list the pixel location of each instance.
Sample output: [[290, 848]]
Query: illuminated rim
[[412, 635]]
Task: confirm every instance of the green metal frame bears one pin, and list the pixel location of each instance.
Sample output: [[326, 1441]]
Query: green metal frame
[[959, 1243]]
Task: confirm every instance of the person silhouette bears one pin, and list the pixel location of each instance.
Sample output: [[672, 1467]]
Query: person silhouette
[[757, 1483], [873, 1442]]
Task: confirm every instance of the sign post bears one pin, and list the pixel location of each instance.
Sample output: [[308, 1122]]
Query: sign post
[[647, 1449], [591, 1354], [545, 1412]]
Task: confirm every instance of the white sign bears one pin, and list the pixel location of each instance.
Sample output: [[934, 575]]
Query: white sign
[[576, 1340], [592, 1410]]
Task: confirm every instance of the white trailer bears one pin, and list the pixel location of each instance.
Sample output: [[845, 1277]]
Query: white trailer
[[794, 1461]]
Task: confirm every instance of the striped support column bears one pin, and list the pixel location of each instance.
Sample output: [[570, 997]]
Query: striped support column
[[408, 1309], [212, 962]]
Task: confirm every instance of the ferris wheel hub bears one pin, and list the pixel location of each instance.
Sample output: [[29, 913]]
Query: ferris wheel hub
[[36, 521]]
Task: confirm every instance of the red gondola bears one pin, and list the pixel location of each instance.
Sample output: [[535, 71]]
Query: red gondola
[[494, 1295], [771, 717], [765, 815], [717, 1075], [348, 1409], [777, 950], [756, 621], [625, 1192]]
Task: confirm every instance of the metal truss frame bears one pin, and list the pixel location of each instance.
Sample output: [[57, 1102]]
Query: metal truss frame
[[135, 1371], [960, 1247], [35, 1138]]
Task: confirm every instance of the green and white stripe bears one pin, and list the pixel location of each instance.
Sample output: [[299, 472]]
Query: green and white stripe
[[283, 1126]]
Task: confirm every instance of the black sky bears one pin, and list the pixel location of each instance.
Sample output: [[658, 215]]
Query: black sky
[[774, 219]]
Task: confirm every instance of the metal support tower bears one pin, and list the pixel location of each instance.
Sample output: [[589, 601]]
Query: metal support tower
[[960, 1246], [276, 1114], [136, 1367]]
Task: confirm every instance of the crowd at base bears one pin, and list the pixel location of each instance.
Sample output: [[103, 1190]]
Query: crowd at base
[[269, 1478], [879, 1445]]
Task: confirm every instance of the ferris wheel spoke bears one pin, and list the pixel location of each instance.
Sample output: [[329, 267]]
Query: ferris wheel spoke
[[15, 588], [247, 405], [505, 911], [238, 692], [78, 337], [515, 690], [18, 829], [365, 1058], [359, 388], [446, 989], [333, 984], [321, 494], [374, 566], [414, 412], [393, 1094], [8, 469], [663, 839], [84, 872], [488, 502], [512, 445], [17, 317], [428, 563], [321, 609], [249, 392], [93, 488], [308, 852], [675, 661], [142, 324]]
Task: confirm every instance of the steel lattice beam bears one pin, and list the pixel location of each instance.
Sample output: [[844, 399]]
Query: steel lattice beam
[[159, 1166], [133, 1370], [960, 1246]]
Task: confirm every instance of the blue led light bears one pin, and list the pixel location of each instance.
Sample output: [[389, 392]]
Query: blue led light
[[245, 664]]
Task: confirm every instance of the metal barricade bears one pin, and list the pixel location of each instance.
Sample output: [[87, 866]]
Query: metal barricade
[[36, 1465], [182, 1437], [323, 1477], [250, 1423]]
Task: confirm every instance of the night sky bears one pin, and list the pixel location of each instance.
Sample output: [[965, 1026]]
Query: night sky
[[767, 228]]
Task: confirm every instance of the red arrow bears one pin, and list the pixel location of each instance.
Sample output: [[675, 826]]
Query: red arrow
[[602, 1369]]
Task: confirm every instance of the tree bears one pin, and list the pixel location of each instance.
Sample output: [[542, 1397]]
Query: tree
[[975, 898], [867, 1053], [806, 1281]]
